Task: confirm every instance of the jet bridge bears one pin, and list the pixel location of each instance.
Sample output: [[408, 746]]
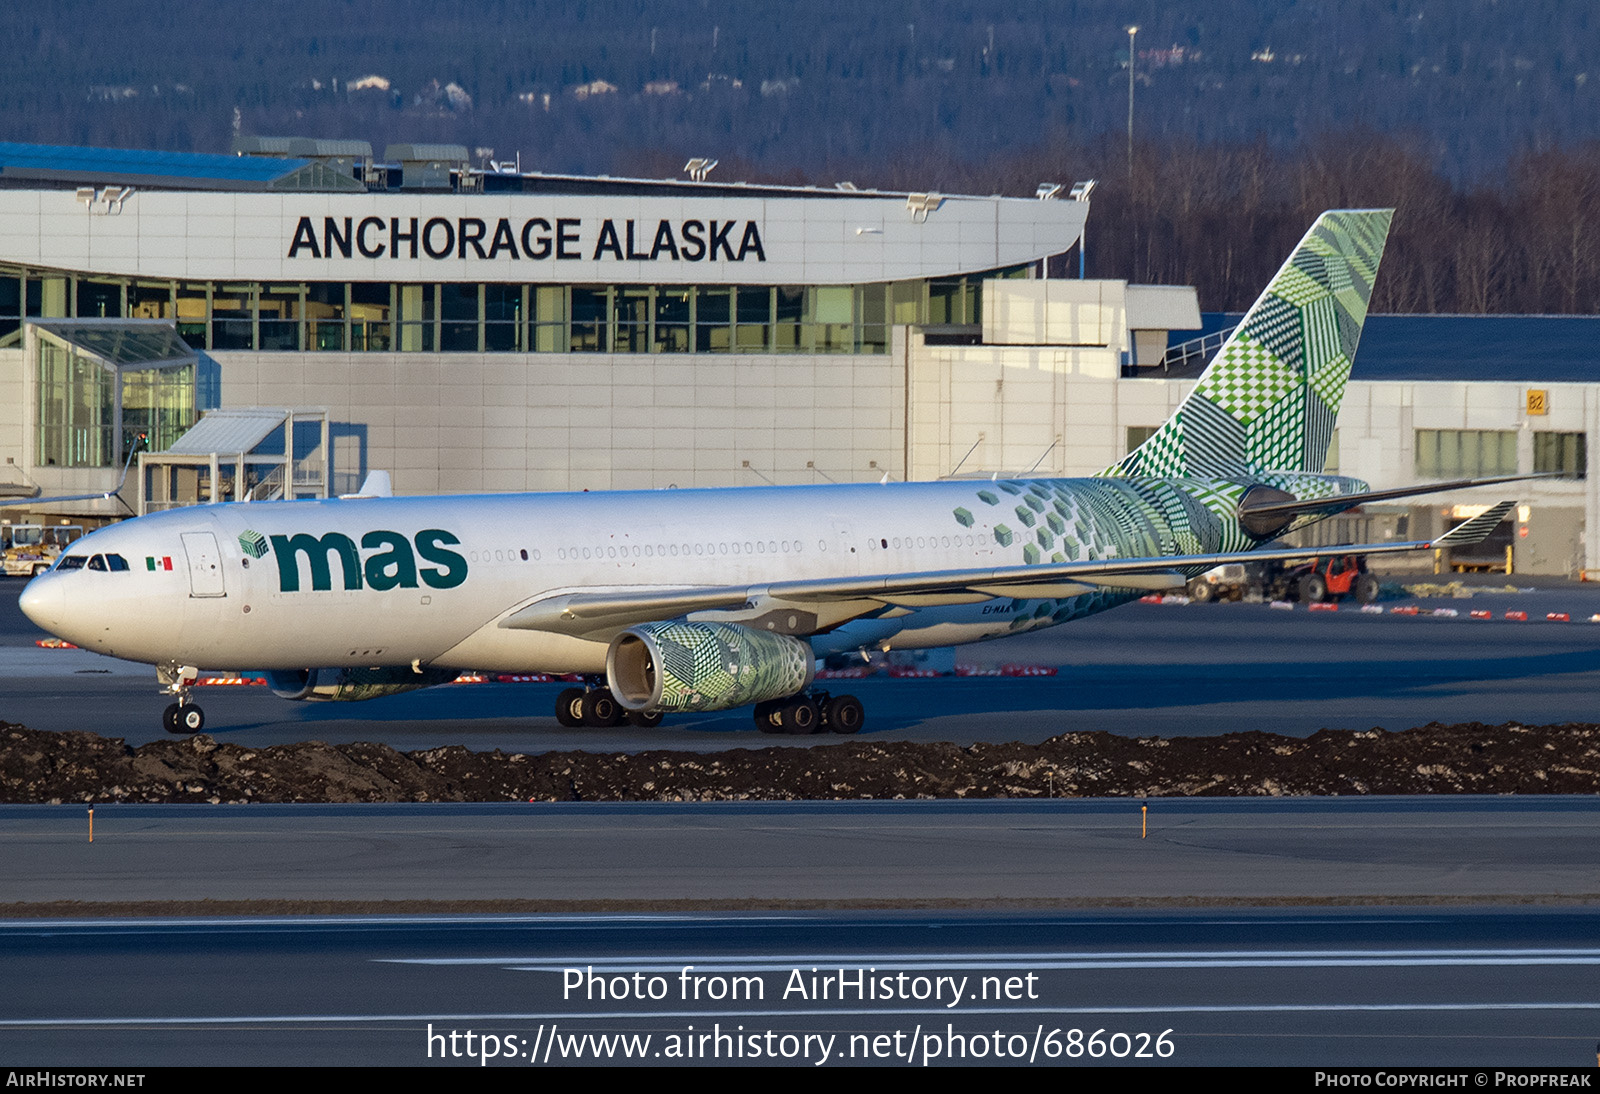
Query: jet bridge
[[240, 454]]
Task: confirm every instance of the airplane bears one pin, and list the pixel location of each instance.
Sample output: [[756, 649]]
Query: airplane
[[702, 600]]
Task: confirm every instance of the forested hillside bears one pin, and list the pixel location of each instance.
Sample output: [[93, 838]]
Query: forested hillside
[[1475, 116]]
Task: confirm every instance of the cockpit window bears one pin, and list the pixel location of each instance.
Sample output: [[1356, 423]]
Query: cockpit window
[[98, 562], [71, 562], [116, 562]]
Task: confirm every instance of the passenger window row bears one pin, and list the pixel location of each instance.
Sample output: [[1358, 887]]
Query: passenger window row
[[685, 550]]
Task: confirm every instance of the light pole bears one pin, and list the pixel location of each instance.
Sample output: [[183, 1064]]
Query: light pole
[[1131, 32]]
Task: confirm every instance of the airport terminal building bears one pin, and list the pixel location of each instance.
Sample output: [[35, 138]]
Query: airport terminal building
[[477, 329]]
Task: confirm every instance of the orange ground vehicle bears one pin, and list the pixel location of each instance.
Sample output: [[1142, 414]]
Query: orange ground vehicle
[[1311, 582], [1332, 578]]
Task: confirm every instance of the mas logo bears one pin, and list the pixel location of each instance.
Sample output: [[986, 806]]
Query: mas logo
[[392, 564], [253, 544]]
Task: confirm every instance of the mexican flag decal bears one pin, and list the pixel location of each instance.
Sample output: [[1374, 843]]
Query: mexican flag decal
[[162, 563]]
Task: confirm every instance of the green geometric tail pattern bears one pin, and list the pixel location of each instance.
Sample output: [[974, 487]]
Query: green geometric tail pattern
[[1269, 399]]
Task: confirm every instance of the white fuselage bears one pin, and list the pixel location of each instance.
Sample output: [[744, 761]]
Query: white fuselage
[[429, 579]]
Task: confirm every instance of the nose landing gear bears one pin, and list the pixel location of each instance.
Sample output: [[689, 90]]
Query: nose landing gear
[[183, 716]]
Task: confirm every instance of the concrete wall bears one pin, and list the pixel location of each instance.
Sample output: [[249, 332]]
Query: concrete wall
[[1561, 534], [508, 422]]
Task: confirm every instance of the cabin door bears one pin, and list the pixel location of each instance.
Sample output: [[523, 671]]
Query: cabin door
[[205, 564]]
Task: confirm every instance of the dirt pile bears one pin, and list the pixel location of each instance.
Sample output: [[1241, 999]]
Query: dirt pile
[[1434, 759]]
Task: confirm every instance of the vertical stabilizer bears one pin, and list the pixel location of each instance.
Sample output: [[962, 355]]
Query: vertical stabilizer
[[1269, 398]]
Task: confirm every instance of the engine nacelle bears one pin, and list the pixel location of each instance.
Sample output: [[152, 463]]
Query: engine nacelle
[[350, 685], [705, 666]]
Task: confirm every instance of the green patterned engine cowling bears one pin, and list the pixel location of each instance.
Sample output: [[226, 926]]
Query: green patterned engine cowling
[[351, 685], [705, 666]]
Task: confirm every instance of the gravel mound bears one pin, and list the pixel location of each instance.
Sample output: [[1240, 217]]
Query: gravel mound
[[38, 766]]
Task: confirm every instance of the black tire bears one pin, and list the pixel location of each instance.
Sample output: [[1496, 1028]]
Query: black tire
[[601, 709], [1313, 589], [1201, 591], [569, 707], [844, 714], [644, 719], [1366, 589], [801, 716], [768, 716], [183, 718]]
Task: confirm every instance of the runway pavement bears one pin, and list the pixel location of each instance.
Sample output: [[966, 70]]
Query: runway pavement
[[1470, 989], [1322, 932], [1453, 932], [819, 854], [1140, 669]]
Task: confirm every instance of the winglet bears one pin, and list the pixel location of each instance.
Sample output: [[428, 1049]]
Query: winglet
[[377, 485], [1477, 529]]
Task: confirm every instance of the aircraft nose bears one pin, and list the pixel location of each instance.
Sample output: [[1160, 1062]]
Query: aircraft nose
[[44, 601]]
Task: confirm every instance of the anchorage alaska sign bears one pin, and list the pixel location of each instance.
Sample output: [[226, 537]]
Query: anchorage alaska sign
[[594, 238], [536, 238]]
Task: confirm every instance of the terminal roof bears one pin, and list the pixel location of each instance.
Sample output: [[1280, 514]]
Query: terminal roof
[[1543, 348], [69, 164], [126, 343]]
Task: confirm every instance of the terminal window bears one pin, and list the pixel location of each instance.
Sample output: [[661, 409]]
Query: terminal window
[[1454, 453], [1564, 454]]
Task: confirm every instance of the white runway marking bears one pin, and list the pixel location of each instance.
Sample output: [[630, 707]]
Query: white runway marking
[[1212, 959], [635, 1016]]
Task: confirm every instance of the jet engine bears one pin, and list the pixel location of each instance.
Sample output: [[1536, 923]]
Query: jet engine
[[705, 666], [349, 685]]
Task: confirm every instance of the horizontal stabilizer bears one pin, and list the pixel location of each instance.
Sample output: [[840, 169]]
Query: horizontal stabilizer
[[1278, 513]]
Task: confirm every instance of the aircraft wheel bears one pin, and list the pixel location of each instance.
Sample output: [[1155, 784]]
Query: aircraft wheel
[[768, 716], [644, 719], [1366, 589], [1313, 589], [569, 707], [183, 718], [801, 716], [844, 714], [601, 709]]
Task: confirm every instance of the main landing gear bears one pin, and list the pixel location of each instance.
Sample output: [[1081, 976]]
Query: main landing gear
[[811, 712], [183, 716], [597, 708]]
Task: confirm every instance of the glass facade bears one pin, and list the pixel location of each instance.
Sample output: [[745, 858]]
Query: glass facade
[[471, 317], [79, 401], [77, 409]]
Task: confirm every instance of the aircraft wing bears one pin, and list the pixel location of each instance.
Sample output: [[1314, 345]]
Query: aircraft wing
[[104, 495], [28, 503], [815, 605]]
